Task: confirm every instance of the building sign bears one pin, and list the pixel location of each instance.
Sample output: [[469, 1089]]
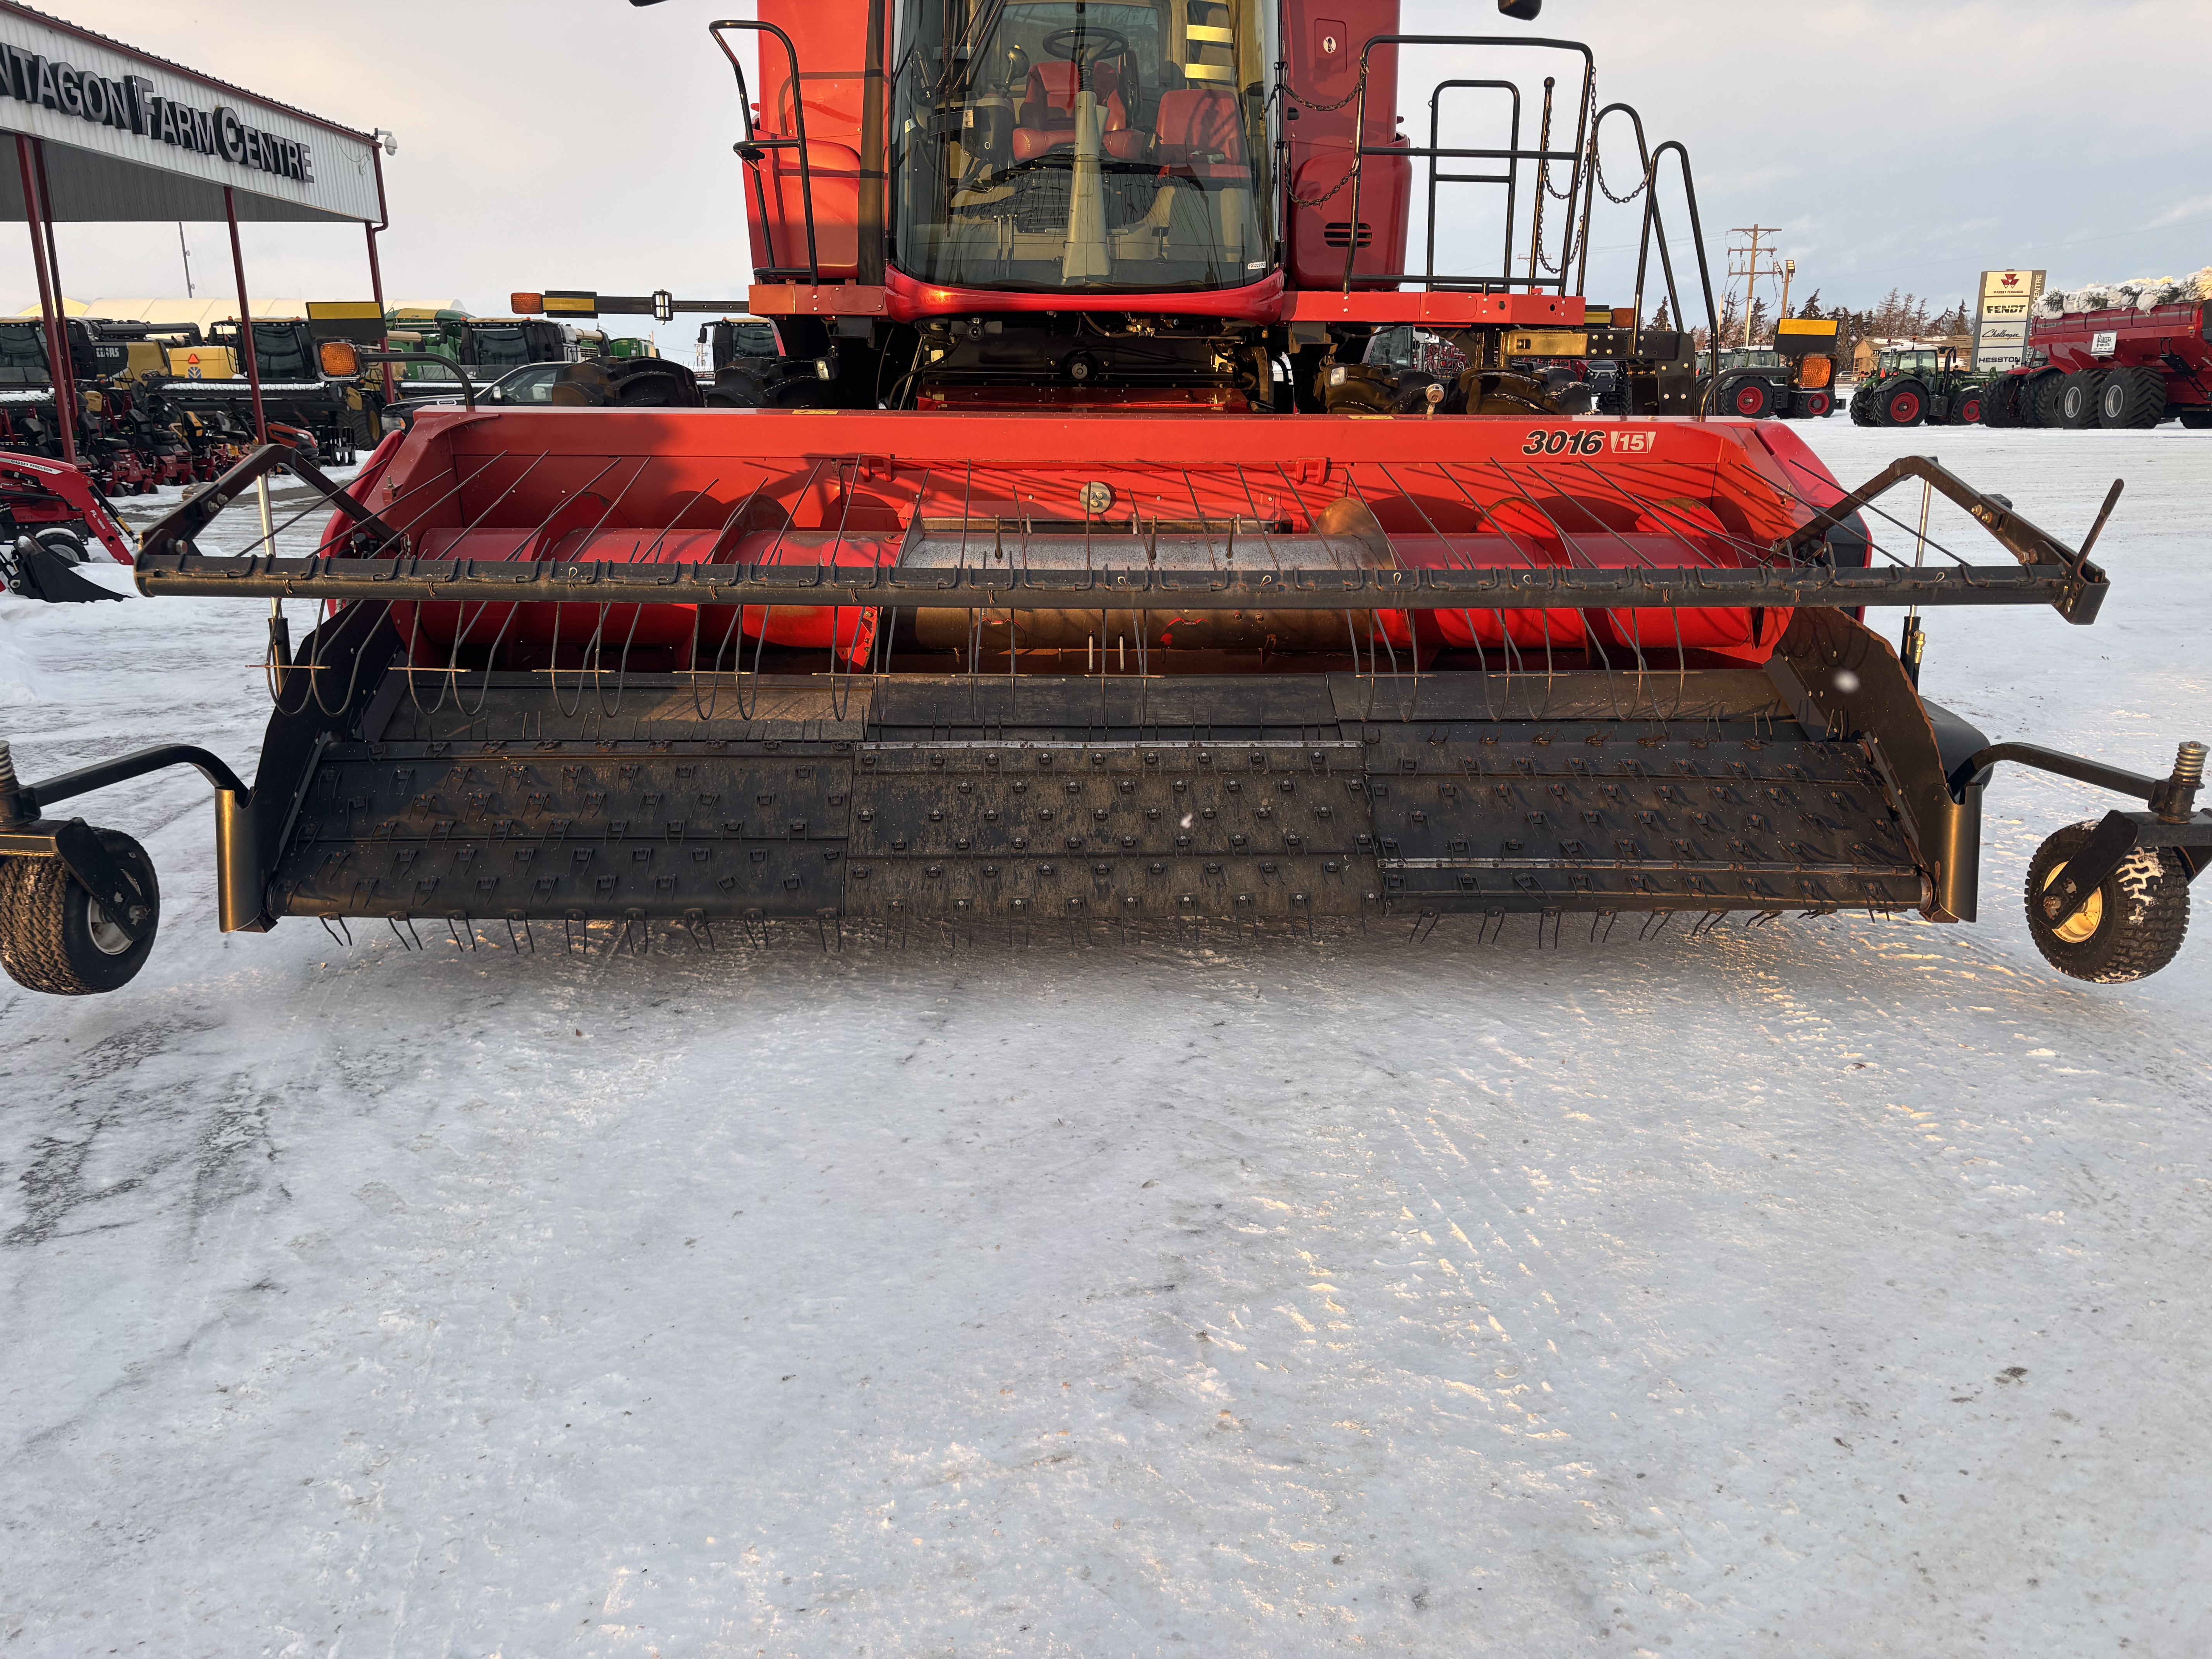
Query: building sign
[[131, 103], [2000, 317], [132, 136]]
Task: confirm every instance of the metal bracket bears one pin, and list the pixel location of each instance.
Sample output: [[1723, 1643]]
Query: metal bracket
[[2107, 848], [176, 532], [76, 844], [2077, 598]]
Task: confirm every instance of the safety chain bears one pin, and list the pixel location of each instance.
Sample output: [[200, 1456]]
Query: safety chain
[[1358, 86], [1597, 172]]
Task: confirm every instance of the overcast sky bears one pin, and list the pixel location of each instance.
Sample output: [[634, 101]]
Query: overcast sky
[[583, 143]]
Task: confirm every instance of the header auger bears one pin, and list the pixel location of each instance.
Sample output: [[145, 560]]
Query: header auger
[[1059, 587]]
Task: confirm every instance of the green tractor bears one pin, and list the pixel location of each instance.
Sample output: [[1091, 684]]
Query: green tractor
[[1914, 384]]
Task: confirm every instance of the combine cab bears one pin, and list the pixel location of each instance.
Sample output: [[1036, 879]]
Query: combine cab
[[1054, 594]]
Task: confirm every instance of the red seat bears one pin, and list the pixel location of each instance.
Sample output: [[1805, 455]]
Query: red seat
[[1048, 107], [1202, 134]]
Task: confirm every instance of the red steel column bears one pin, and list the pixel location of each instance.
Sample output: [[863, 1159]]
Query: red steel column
[[375, 275], [69, 412], [57, 359], [245, 316]]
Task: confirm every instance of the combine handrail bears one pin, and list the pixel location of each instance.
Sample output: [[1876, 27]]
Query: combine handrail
[[1509, 178], [752, 147], [1590, 203], [1361, 150], [1697, 237]]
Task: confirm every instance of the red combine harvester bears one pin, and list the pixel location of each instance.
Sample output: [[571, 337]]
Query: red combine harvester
[[1052, 590]]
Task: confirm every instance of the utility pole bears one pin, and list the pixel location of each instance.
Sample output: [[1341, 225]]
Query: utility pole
[[184, 248], [1788, 271], [1751, 269]]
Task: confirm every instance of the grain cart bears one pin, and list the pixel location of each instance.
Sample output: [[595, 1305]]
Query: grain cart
[[2131, 363], [1089, 618]]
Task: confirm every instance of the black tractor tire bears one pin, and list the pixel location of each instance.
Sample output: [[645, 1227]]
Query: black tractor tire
[[1904, 403], [1811, 405], [2077, 400], [626, 383], [55, 937], [1747, 399], [1499, 391], [1967, 406], [2131, 399], [1863, 409], [2001, 401], [2197, 420], [2039, 405], [2132, 926]]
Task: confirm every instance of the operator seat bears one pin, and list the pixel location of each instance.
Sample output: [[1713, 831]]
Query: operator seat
[[1048, 118], [1201, 135]]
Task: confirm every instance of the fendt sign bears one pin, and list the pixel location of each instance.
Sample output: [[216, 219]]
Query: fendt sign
[[132, 104]]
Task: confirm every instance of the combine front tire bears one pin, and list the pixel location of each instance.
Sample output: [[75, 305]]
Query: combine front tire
[[55, 937], [2076, 404], [2131, 926], [2132, 398]]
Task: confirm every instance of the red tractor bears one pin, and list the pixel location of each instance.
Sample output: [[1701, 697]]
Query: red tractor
[[1090, 573], [50, 514]]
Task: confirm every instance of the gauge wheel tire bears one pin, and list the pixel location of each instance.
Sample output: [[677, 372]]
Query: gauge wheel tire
[[1747, 400], [2131, 926], [55, 937], [1904, 404], [2132, 398], [1966, 407], [2076, 402]]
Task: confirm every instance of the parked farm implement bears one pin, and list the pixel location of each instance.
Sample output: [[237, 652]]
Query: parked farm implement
[[1090, 617]]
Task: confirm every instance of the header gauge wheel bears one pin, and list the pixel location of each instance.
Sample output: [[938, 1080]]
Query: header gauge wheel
[[54, 935], [2131, 926]]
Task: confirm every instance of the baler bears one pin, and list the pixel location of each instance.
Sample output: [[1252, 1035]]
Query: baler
[[1054, 593]]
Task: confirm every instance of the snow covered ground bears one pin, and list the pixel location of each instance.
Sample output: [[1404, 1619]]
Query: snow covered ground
[[1833, 1287]]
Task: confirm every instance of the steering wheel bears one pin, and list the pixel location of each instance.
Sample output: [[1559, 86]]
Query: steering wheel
[[1073, 44]]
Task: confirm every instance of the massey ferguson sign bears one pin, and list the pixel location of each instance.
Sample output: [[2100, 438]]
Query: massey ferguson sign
[[2001, 316]]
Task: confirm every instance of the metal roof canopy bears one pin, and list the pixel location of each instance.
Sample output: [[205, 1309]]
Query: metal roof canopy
[[105, 133], [168, 152]]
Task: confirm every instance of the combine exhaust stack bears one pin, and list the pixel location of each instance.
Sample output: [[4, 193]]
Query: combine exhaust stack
[[1133, 646]]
